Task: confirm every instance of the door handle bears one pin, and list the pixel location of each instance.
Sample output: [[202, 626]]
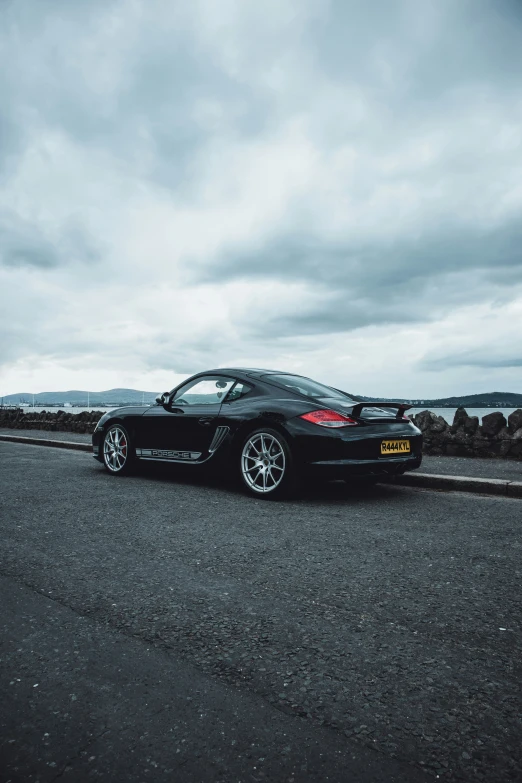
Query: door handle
[[205, 421]]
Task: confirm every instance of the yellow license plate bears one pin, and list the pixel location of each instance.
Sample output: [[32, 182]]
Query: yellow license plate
[[395, 447]]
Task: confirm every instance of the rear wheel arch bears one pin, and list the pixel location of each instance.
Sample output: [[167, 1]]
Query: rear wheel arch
[[251, 426]]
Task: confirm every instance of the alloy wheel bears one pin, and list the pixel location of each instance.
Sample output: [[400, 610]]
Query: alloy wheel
[[115, 449], [263, 463]]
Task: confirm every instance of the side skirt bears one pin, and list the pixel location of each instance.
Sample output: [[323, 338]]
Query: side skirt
[[168, 455], [171, 455]]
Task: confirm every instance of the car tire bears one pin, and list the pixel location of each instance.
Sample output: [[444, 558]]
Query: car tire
[[119, 457], [266, 465]]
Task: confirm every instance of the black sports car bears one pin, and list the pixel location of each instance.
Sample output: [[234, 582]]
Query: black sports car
[[270, 428]]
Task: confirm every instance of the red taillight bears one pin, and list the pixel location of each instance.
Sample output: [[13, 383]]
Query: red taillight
[[329, 419], [406, 418]]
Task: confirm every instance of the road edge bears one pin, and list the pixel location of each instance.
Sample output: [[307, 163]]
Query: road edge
[[449, 483], [57, 444]]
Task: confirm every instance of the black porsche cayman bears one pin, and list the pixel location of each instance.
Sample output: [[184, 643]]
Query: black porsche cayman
[[270, 428]]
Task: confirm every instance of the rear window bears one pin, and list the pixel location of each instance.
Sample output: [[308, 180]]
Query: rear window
[[306, 386], [239, 390]]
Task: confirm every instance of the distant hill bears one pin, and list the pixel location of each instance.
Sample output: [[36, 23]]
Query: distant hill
[[134, 396], [76, 397], [488, 400]]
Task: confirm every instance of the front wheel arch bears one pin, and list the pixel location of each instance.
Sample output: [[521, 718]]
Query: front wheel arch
[[123, 422]]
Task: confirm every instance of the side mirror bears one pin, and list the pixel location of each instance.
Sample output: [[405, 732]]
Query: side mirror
[[162, 399]]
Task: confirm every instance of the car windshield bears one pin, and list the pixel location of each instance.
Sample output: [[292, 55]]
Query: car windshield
[[307, 387]]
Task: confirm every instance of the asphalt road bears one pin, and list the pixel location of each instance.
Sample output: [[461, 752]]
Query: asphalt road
[[163, 627]]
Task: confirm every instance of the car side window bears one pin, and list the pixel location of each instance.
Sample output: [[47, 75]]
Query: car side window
[[210, 390], [239, 390]]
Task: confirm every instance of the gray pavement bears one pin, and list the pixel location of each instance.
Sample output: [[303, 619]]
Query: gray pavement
[[85, 702], [379, 627], [476, 467]]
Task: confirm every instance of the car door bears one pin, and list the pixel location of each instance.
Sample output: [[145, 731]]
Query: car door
[[185, 427]]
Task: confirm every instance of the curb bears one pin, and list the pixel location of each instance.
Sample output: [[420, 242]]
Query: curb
[[512, 489], [57, 444], [461, 484]]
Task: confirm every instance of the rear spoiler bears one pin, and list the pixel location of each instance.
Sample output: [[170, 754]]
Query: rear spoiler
[[401, 407]]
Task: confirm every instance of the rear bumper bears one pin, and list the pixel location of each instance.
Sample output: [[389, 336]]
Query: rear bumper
[[354, 451], [345, 468]]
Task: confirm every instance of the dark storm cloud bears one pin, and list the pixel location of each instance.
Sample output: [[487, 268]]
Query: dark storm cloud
[[24, 243], [21, 244], [380, 262], [413, 280]]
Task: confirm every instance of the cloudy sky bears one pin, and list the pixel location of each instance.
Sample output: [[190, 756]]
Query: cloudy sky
[[331, 187]]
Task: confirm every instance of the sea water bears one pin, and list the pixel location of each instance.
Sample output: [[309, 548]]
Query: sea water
[[449, 413]]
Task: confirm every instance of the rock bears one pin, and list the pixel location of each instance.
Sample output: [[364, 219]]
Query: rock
[[460, 417], [518, 434], [504, 434], [481, 446], [516, 449], [515, 420], [505, 448], [460, 449], [438, 423], [495, 447], [493, 423], [423, 420], [429, 423], [471, 424]]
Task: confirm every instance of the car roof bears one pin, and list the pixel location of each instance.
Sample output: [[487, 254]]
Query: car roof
[[237, 372], [244, 371]]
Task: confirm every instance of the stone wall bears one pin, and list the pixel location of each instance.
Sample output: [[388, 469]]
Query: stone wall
[[496, 437], [56, 421]]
